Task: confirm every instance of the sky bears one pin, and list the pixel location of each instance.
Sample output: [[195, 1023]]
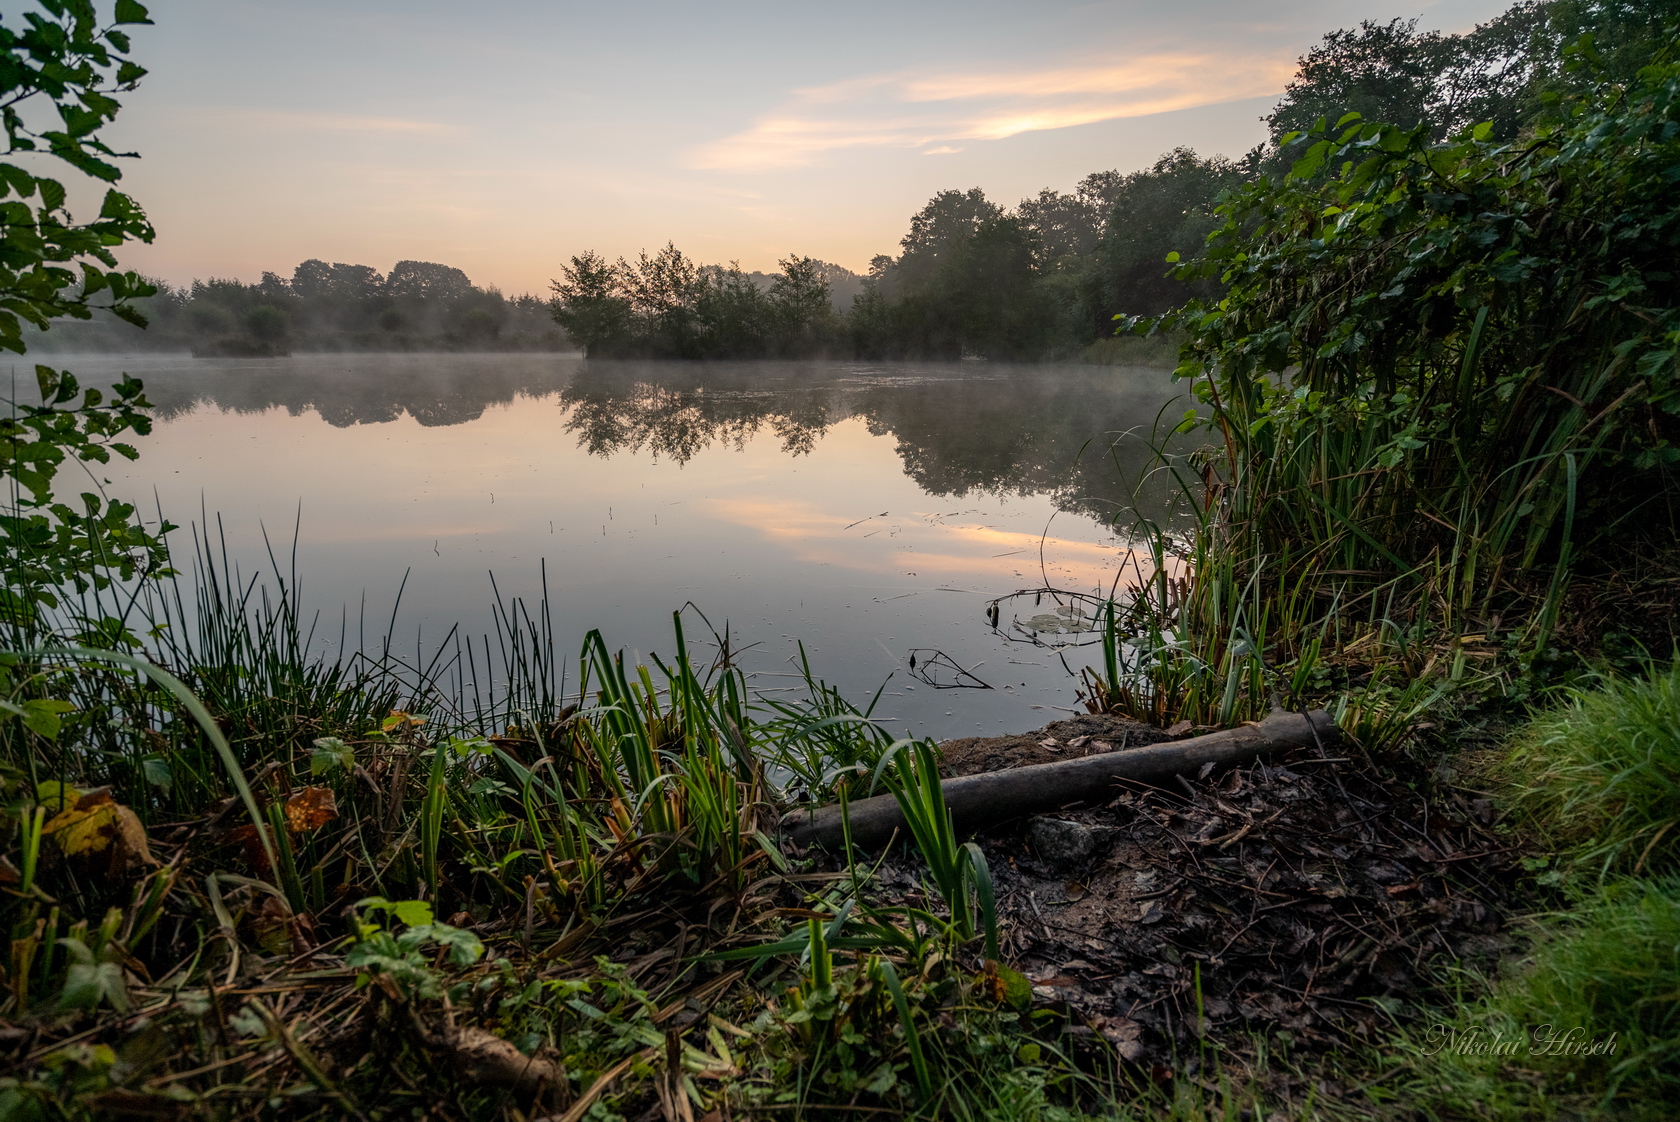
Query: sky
[[504, 136]]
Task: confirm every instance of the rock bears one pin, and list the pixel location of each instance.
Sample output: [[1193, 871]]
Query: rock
[[1061, 842]]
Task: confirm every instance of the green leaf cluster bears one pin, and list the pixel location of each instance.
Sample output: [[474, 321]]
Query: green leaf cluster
[[47, 544], [1467, 345], [52, 265], [404, 955]]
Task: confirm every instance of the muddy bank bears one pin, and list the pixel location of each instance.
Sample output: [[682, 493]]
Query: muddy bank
[[1306, 900]]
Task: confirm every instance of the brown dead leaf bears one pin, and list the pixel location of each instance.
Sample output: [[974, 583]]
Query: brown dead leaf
[[272, 924], [248, 838], [1124, 1034], [310, 809]]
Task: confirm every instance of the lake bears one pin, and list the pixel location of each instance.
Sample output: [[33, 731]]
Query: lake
[[868, 510]]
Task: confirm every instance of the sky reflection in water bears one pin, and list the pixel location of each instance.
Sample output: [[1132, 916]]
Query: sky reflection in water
[[863, 509]]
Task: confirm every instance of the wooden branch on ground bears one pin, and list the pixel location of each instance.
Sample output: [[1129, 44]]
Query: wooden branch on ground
[[992, 798]]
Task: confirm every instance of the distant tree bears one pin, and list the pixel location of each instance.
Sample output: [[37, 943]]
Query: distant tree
[[1384, 72], [799, 302], [988, 291], [267, 323], [1499, 72], [1168, 208], [949, 219], [733, 313], [274, 287], [424, 280], [1101, 190], [665, 292], [871, 323], [591, 305], [1625, 36], [315, 279], [1067, 226]]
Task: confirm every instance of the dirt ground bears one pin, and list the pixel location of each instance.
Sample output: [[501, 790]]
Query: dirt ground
[[1308, 901]]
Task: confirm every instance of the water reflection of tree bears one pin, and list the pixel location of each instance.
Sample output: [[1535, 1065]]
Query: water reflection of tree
[[960, 430], [1080, 435], [360, 391], [679, 412]]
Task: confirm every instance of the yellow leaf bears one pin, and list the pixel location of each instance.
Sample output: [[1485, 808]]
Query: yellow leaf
[[98, 824], [79, 831]]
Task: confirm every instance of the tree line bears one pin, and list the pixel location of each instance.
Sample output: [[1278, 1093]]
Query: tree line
[[417, 306], [1048, 277]]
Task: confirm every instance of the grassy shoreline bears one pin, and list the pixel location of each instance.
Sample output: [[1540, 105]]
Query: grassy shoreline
[[581, 885]]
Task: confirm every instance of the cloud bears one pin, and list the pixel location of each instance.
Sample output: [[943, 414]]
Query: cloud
[[933, 112]]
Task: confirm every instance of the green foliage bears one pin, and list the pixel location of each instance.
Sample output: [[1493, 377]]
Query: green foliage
[[406, 957], [46, 545], [1600, 777], [1393, 72], [51, 265], [92, 980], [1445, 365], [1508, 72], [959, 872], [667, 306]]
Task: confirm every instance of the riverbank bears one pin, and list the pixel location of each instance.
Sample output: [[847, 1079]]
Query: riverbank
[[1243, 939]]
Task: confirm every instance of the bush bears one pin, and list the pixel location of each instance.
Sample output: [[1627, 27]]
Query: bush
[[1601, 777]]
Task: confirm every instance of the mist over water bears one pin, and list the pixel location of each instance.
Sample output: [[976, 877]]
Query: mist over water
[[864, 509]]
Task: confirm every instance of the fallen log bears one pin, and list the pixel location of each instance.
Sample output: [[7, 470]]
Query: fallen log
[[995, 797]]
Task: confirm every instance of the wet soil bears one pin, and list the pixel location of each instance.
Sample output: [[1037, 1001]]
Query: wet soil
[[1307, 901]]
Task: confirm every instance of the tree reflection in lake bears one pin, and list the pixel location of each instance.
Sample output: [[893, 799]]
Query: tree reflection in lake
[[346, 390], [1079, 434]]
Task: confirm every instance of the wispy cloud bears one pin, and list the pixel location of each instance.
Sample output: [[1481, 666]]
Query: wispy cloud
[[933, 112]]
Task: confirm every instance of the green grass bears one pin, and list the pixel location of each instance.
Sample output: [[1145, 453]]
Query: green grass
[[1599, 778], [1608, 972]]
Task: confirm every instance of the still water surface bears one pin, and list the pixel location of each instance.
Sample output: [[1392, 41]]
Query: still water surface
[[865, 509]]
